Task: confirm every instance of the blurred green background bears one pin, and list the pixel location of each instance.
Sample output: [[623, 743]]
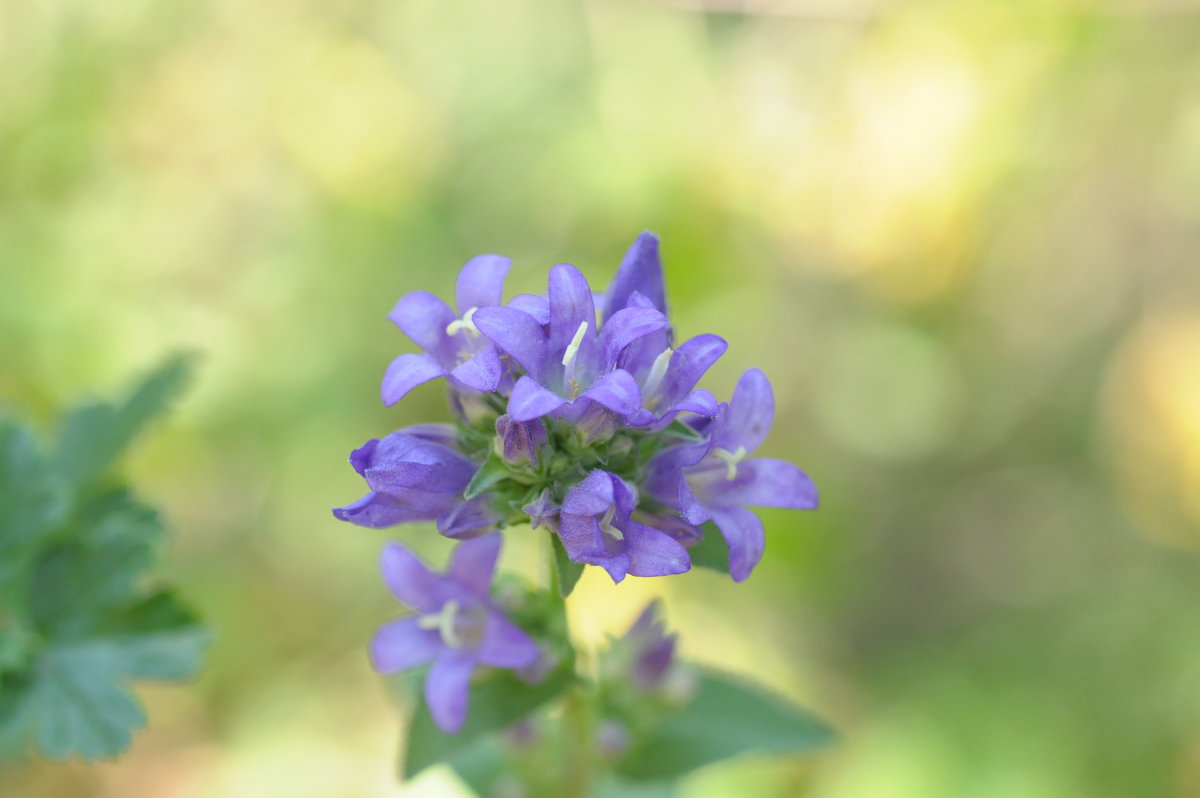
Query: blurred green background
[[961, 238]]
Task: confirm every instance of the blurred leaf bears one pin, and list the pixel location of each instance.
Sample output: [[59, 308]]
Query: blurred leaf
[[93, 435], [711, 552], [32, 500], [566, 571], [611, 786], [75, 699], [96, 568], [497, 701], [726, 717], [481, 764]]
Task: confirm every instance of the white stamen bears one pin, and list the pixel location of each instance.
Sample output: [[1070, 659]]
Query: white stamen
[[606, 525], [573, 347], [731, 459], [657, 372], [443, 620], [465, 324]]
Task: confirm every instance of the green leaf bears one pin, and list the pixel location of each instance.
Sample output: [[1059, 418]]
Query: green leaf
[[711, 552], [493, 470], [565, 571], [726, 717], [80, 579], [93, 435], [75, 700], [481, 764], [32, 501], [497, 701]]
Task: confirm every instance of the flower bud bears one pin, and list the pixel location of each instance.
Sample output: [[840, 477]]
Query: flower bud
[[518, 442]]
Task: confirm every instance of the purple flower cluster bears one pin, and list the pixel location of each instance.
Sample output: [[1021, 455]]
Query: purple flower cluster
[[577, 412]]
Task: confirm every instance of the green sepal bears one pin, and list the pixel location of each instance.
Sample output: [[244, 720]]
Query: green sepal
[[564, 571], [498, 700], [726, 717], [93, 435], [493, 471]]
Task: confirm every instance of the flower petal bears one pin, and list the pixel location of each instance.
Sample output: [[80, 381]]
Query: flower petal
[[766, 482], [743, 532], [468, 519], [403, 644], [536, 306], [626, 326], [379, 510], [618, 391], [654, 553], [570, 305], [482, 372], [402, 461], [447, 689], [405, 373], [481, 282], [751, 413], [411, 581], [691, 360], [504, 645], [641, 270], [516, 333], [474, 563], [530, 400], [424, 317]]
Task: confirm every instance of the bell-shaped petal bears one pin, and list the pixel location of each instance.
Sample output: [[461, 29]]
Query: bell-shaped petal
[[424, 317], [687, 365], [380, 510], [481, 282], [536, 306], [641, 270], [617, 391], [530, 400], [473, 563], [403, 644], [411, 582], [405, 373], [483, 371], [469, 519], [764, 482], [447, 689], [743, 533], [750, 415], [504, 645], [570, 307], [625, 327], [518, 335]]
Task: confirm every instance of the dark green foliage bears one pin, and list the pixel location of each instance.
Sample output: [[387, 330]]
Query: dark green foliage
[[77, 619], [725, 718]]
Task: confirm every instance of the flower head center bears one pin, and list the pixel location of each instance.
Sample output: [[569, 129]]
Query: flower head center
[[730, 459], [464, 325], [447, 623], [606, 524]]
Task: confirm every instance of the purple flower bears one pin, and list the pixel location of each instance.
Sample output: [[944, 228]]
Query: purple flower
[[651, 650], [569, 364], [596, 528], [457, 626], [715, 480], [519, 442], [453, 346], [413, 474]]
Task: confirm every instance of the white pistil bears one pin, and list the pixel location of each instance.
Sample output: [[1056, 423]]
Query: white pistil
[[606, 524], [568, 360], [465, 324], [657, 372], [443, 620], [573, 347], [731, 459]]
